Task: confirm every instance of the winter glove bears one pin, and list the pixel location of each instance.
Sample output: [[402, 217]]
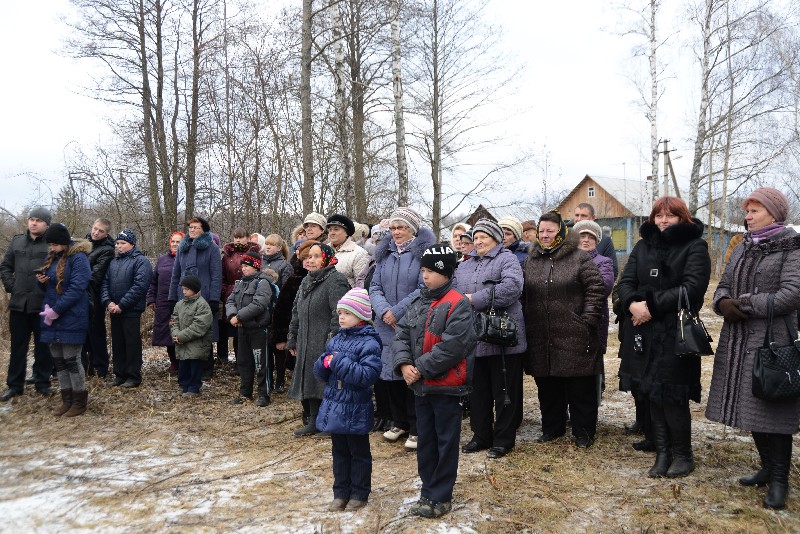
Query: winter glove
[[49, 315], [172, 304], [326, 361], [214, 305], [730, 310]]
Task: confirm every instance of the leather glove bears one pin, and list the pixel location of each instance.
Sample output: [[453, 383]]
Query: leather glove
[[730, 310], [49, 315]]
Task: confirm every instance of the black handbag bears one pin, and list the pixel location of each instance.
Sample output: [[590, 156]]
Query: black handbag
[[776, 370], [495, 326], [692, 338]]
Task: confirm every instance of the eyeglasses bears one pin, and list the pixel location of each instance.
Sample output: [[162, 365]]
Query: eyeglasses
[[195, 228], [397, 228]]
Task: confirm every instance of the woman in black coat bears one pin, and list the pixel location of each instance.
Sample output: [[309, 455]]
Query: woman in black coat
[[671, 254]]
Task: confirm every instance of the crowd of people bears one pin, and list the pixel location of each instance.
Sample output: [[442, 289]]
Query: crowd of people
[[374, 330]]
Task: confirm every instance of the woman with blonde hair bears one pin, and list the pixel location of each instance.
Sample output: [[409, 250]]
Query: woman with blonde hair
[[276, 257]]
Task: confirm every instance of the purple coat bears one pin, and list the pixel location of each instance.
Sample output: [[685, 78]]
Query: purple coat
[[158, 294], [606, 267], [497, 264], [396, 282]]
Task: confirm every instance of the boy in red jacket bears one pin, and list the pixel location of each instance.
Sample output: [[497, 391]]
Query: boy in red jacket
[[434, 350]]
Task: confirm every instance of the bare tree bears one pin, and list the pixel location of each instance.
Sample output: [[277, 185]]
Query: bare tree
[[399, 120]]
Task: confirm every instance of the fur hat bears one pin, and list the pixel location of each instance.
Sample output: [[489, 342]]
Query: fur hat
[[440, 258], [773, 200], [490, 228], [513, 224], [40, 212], [56, 234], [252, 261], [589, 227], [203, 223], [356, 301], [127, 235], [315, 218], [342, 220], [191, 282], [408, 217]]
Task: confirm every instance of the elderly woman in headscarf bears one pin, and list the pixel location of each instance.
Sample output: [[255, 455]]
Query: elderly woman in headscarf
[[766, 263], [395, 283], [314, 321], [158, 300], [564, 297]]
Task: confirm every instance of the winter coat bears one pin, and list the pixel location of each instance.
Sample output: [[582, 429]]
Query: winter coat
[[501, 264], [314, 321], [395, 282], [126, 283], [754, 271], [347, 402], [563, 298], [457, 343], [282, 314], [251, 302], [191, 323], [158, 294], [199, 257], [101, 255], [606, 248], [606, 268], [280, 265], [232, 264], [72, 305], [658, 265], [351, 260], [520, 250], [23, 256]]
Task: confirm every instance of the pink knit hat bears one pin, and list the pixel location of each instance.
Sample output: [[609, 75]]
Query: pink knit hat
[[356, 301], [773, 200]]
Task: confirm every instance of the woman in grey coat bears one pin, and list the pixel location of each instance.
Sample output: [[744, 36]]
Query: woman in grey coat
[[493, 382], [314, 321], [766, 262]]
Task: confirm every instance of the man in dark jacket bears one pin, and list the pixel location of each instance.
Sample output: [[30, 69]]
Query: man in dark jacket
[[585, 211], [26, 253], [102, 253]]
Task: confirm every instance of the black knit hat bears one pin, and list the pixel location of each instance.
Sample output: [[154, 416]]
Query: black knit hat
[[342, 220], [440, 258], [57, 234], [191, 282]]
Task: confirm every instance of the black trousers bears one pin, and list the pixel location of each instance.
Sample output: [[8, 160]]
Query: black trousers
[[190, 375], [439, 424], [251, 360], [95, 350], [126, 347], [487, 401], [401, 405], [22, 325], [227, 331], [352, 466], [577, 392], [277, 361], [383, 408]]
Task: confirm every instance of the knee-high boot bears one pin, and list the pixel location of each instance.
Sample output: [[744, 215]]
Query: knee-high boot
[[679, 421], [661, 437], [311, 427], [761, 477], [780, 454]]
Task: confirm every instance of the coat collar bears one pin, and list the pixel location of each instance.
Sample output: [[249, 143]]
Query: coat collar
[[425, 238], [201, 243], [674, 235]]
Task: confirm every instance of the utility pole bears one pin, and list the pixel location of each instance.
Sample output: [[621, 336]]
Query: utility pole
[[669, 172]]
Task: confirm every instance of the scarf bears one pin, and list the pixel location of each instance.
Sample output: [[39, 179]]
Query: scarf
[[771, 230], [405, 245], [328, 255], [558, 239]]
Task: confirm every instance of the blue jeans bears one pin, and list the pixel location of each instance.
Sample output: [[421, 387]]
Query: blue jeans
[[352, 466]]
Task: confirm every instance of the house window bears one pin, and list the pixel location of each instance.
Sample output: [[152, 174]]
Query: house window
[[591, 191]]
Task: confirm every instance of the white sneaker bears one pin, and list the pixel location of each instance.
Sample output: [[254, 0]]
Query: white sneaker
[[411, 443], [394, 434]]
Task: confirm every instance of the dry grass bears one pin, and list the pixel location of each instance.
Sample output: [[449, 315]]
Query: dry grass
[[150, 460]]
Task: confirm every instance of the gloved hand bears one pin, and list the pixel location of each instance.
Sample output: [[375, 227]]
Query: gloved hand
[[326, 361], [214, 305], [49, 315], [172, 304], [730, 310]]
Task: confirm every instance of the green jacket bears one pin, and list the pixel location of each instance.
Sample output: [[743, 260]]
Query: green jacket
[[191, 323]]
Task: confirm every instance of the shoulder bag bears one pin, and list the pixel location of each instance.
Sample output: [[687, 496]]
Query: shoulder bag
[[495, 326], [776, 370], [692, 338]]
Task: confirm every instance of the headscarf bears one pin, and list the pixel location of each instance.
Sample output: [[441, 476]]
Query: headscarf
[[169, 241], [560, 236], [328, 254]]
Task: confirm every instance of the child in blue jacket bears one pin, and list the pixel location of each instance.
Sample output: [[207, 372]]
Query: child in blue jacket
[[350, 366]]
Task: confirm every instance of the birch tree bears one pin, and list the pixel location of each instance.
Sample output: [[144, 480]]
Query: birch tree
[[399, 120]]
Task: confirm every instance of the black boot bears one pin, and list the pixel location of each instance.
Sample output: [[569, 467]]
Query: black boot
[[760, 478], [311, 427], [660, 431], [780, 454], [679, 421]]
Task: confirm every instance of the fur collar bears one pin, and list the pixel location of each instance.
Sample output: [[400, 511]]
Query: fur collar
[[788, 240], [251, 248], [79, 245], [677, 234], [201, 243], [425, 238]]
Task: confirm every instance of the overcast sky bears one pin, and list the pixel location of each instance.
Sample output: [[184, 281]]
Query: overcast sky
[[574, 97]]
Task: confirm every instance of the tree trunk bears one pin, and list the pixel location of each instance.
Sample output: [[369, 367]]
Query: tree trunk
[[340, 104], [653, 98], [307, 190], [436, 159], [194, 111], [702, 116], [399, 121]]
